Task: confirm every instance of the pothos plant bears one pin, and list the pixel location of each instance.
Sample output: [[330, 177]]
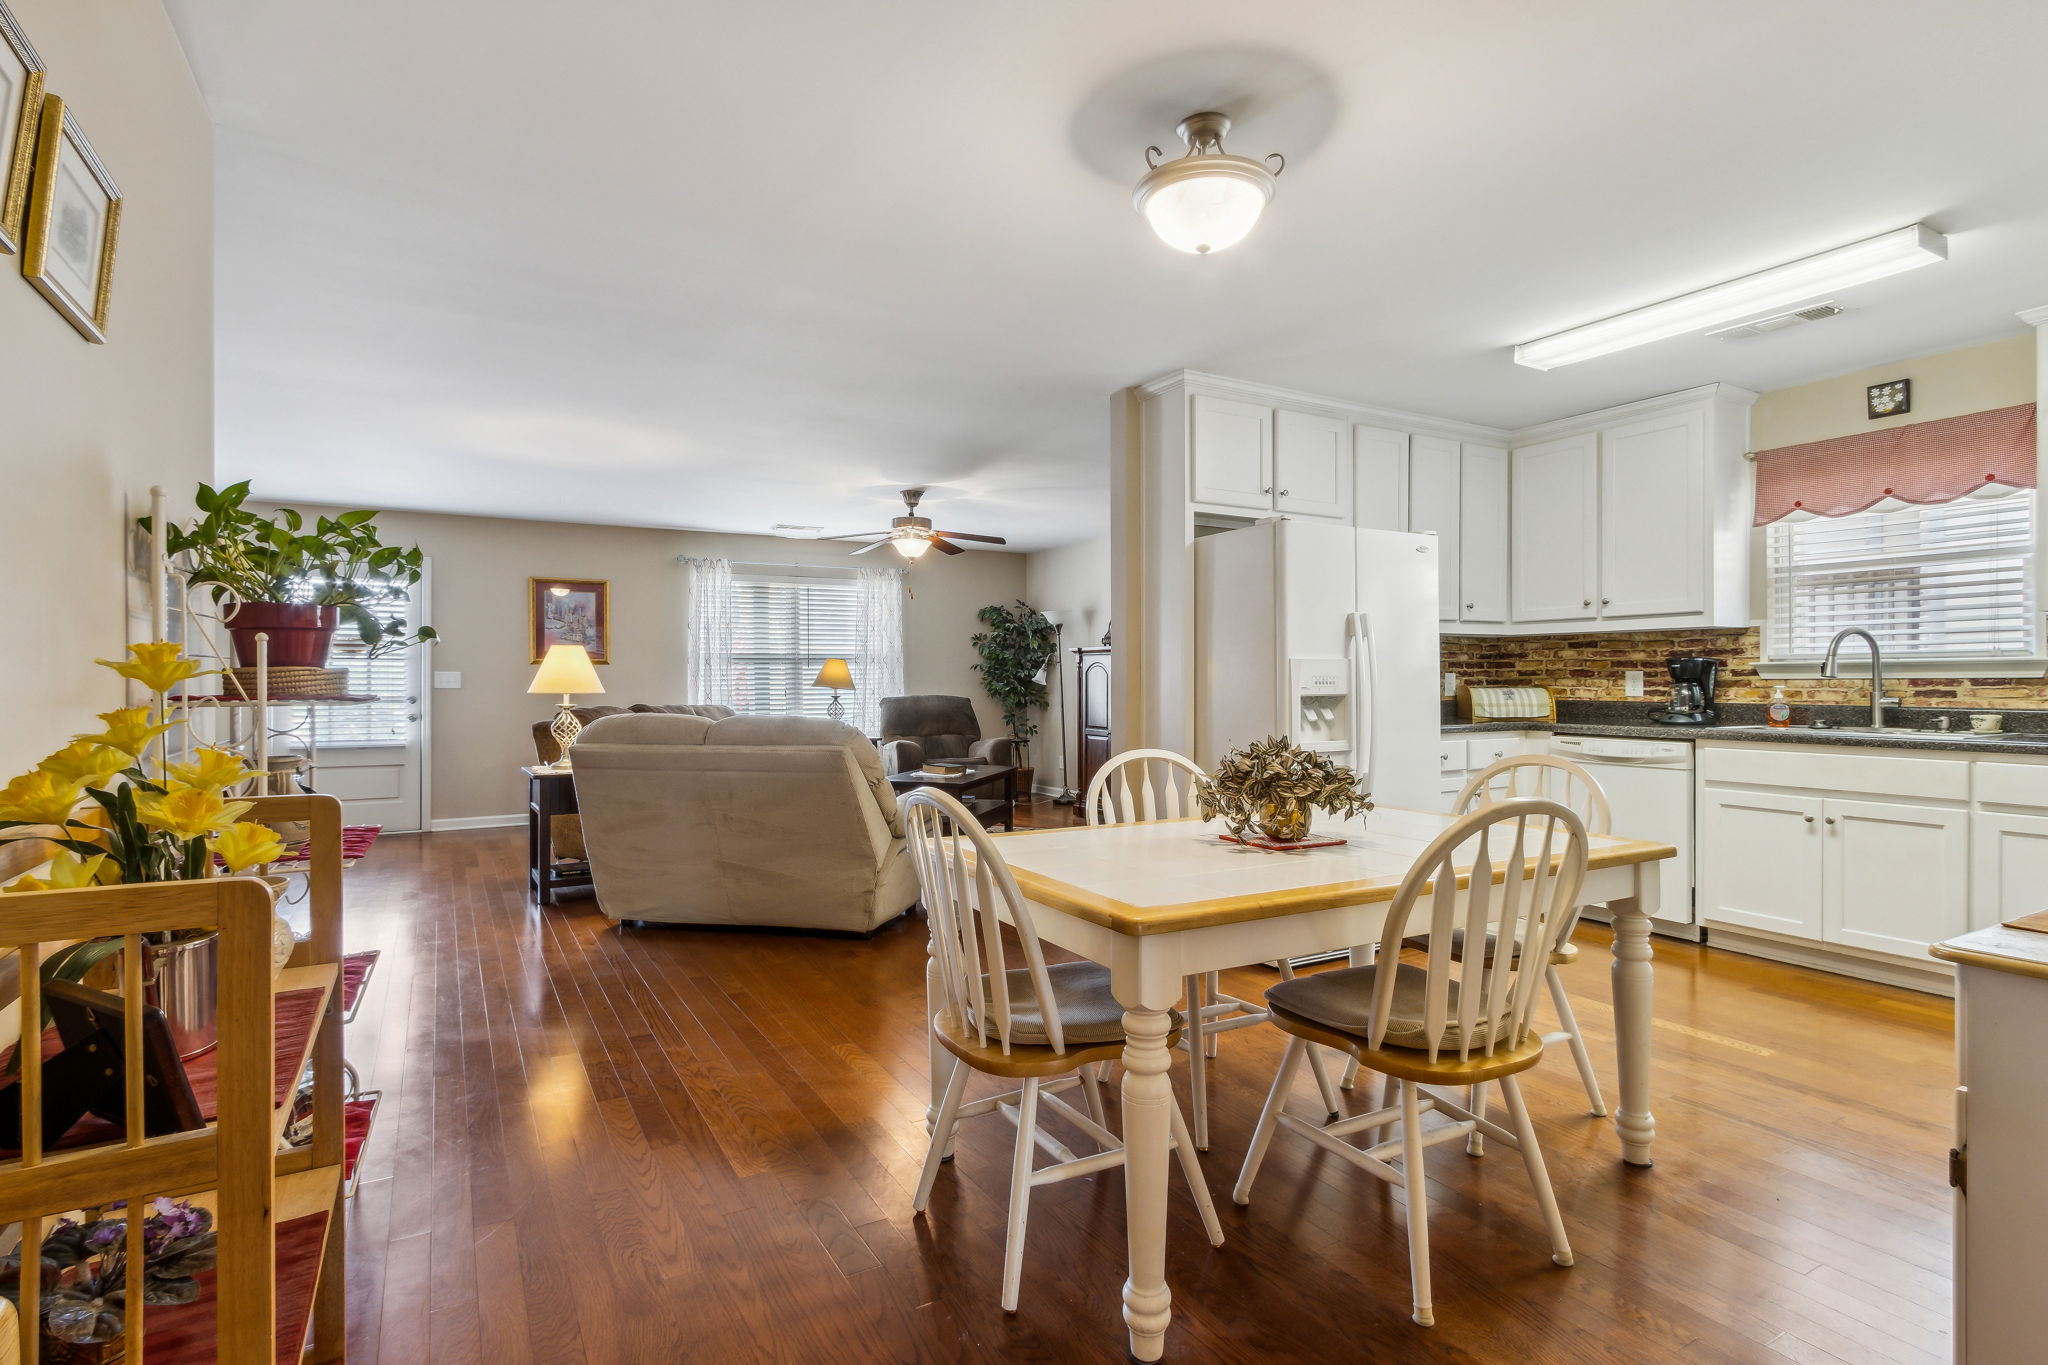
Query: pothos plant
[[1014, 650], [1273, 784], [338, 561]]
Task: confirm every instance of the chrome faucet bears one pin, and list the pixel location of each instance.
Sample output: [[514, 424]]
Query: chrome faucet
[[1878, 700]]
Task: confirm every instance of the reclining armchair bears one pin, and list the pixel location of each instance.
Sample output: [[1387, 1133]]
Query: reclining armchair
[[917, 729]]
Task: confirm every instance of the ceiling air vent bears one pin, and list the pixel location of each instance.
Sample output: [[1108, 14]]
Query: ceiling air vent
[[1778, 322]]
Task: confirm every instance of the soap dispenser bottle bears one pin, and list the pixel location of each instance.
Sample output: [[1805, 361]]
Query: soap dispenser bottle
[[1781, 710]]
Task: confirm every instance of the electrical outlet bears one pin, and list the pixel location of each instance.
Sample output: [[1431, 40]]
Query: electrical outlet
[[1632, 683], [1450, 684], [447, 679]]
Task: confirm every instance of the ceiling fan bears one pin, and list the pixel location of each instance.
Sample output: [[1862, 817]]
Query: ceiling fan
[[912, 534]]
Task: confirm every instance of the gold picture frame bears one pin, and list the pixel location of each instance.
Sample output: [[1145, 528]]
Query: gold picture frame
[[570, 611], [74, 223], [21, 109]]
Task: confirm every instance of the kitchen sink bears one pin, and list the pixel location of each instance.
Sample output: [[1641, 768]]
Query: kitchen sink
[[1890, 731]]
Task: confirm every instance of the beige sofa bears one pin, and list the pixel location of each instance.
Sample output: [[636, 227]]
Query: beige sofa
[[565, 832], [757, 820]]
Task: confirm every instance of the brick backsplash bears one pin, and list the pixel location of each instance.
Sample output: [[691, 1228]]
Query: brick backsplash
[[1590, 668]]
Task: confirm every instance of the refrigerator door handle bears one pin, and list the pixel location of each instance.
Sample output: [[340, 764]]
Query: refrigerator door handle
[[1364, 686]]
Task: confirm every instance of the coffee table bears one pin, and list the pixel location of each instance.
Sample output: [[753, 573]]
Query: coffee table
[[981, 777]]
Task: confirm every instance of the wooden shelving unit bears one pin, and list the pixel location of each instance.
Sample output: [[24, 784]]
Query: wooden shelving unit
[[280, 1282]]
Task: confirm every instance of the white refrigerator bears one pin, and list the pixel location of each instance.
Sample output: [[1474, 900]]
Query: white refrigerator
[[1326, 634]]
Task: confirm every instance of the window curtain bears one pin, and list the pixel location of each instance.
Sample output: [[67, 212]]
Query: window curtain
[[707, 633], [1922, 463], [878, 667]]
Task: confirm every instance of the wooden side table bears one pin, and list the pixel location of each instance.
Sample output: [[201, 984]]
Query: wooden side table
[[549, 792]]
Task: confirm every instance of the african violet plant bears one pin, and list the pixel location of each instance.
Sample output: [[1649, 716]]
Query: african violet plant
[[84, 1275], [1273, 784]]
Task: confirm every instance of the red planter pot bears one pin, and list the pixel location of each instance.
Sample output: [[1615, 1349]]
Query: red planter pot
[[299, 634]]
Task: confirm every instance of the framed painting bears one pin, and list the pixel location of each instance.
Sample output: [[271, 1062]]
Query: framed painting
[[21, 110], [570, 611], [74, 219]]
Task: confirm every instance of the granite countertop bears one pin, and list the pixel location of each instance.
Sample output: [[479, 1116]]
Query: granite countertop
[[1743, 723]]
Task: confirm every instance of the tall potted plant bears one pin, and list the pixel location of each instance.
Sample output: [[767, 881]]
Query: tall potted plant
[[296, 580], [1014, 650]]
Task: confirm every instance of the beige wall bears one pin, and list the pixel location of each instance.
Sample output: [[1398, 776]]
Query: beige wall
[[1997, 374], [480, 567], [87, 429], [1070, 584]]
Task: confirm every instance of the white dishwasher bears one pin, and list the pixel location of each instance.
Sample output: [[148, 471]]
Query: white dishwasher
[[1649, 791]]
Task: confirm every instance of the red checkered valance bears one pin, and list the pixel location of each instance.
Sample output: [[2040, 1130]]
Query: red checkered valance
[[1922, 462]]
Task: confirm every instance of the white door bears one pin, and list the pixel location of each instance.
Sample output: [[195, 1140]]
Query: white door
[[371, 755], [1653, 517], [1483, 535], [1312, 466], [2008, 867], [1553, 549], [1233, 454], [1433, 510], [1898, 875], [1379, 462], [1760, 860]]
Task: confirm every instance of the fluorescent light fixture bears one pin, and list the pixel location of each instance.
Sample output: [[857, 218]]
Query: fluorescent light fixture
[[1779, 287]]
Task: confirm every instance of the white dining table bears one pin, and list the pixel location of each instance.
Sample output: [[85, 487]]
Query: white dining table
[[1160, 901]]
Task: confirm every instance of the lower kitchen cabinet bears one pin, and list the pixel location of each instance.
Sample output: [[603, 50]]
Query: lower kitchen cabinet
[[1898, 876], [1761, 860], [2008, 867]]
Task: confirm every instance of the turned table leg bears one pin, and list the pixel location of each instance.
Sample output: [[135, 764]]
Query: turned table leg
[[1634, 996], [1148, 1121]]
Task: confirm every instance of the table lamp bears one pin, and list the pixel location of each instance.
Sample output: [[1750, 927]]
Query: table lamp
[[835, 676], [566, 669]]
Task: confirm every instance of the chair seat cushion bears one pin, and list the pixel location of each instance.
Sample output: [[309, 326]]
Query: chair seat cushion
[[1089, 1012], [1561, 956], [1342, 1000]]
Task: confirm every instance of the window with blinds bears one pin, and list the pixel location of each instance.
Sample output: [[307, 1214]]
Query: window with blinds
[[393, 679], [783, 630], [1952, 581]]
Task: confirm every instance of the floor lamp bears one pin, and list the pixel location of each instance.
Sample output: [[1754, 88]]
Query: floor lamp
[[1067, 796]]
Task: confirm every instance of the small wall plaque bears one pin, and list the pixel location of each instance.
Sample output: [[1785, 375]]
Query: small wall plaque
[[1890, 398]]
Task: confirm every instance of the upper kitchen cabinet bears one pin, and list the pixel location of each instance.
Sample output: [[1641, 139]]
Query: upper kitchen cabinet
[[1482, 535], [1634, 517], [1233, 454], [1434, 509], [1379, 459], [1311, 465]]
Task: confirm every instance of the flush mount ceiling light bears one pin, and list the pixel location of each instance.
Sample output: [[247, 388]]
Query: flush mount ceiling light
[[1780, 286], [1207, 200]]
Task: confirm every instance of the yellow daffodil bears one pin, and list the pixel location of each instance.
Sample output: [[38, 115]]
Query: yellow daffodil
[[39, 798], [246, 845], [84, 762], [67, 871], [212, 770], [157, 666], [128, 730], [189, 812]]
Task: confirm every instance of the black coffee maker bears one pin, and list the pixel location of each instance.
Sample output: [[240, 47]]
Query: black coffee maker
[[1692, 692]]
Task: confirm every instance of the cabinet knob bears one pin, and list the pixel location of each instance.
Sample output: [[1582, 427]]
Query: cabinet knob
[[1267, 489], [1585, 601], [1809, 819], [1468, 606], [1606, 601], [1831, 819], [1283, 492]]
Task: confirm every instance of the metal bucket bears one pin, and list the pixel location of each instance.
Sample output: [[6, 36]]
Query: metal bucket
[[183, 980]]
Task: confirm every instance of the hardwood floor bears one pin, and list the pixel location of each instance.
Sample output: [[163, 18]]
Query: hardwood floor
[[693, 1145]]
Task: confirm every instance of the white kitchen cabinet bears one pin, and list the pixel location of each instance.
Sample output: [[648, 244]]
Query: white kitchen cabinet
[[1483, 534], [1379, 462], [1554, 561], [1433, 509], [1654, 517], [1232, 454], [1311, 465], [1761, 860], [2008, 867], [1897, 875]]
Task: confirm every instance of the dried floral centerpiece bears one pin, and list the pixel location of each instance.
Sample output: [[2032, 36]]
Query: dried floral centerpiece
[[1271, 786]]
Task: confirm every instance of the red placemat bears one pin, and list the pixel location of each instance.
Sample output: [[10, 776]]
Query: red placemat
[[355, 971], [356, 842], [1278, 846], [184, 1334], [356, 1117]]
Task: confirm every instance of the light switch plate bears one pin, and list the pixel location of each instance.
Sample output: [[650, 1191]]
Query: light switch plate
[[1632, 683], [447, 679], [1450, 684]]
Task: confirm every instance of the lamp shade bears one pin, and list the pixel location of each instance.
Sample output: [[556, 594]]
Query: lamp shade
[[566, 669], [835, 676]]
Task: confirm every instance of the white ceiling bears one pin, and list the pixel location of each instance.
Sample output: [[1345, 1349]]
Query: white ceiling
[[727, 264]]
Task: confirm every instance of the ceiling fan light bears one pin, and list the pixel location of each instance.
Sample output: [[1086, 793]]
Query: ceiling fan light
[[910, 547]]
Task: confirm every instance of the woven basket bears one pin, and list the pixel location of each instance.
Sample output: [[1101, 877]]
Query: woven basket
[[289, 682]]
